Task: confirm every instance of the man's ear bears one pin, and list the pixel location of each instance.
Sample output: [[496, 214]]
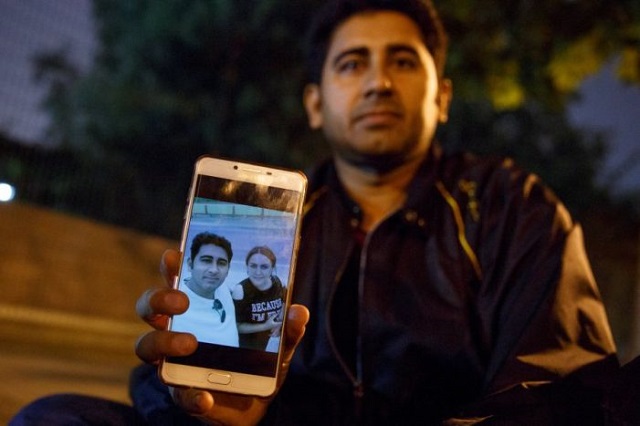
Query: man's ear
[[312, 101], [445, 95]]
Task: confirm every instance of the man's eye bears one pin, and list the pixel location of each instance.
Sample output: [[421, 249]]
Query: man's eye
[[350, 65], [406, 63]]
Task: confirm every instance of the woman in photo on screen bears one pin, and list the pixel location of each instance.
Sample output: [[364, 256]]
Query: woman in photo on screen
[[259, 301]]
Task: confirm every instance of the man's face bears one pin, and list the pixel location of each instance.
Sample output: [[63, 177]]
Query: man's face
[[208, 270], [379, 101]]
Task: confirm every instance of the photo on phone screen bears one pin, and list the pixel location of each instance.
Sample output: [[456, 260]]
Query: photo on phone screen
[[238, 246]]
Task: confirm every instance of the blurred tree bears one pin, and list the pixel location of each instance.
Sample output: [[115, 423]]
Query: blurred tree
[[512, 51], [176, 79]]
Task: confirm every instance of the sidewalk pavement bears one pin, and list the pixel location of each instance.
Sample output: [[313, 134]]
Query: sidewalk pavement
[[45, 352]]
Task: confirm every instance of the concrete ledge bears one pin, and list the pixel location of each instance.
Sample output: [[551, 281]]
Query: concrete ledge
[[67, 319], [46, 352], [63, 331], [54, 261]]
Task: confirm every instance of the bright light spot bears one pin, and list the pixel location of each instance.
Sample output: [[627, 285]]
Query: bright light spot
[[7, 193]]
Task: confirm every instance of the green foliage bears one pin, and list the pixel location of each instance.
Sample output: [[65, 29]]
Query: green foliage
[[176, 79], [513, 51]]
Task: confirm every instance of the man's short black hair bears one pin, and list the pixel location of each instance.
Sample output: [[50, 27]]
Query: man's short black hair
[[335, 12], [205, 238]]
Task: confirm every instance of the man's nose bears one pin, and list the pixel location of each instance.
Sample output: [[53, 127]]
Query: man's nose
[[378, 81]]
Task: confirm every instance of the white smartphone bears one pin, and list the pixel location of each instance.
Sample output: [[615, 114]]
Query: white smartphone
[[239, 244]]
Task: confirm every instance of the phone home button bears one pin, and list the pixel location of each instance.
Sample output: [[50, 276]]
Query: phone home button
[[219, 378]]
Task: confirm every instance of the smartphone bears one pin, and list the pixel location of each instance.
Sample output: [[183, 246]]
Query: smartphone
[[239, 244]]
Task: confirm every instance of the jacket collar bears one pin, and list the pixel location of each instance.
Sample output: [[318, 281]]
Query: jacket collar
[[324, 179], [423, 186]]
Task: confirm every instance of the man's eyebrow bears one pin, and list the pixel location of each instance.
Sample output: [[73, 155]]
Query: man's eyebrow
[[364, 51], [402, 48], [359, 51]]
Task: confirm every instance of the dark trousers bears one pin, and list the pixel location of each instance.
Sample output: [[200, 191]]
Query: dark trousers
[[622, 403], [152, 405]]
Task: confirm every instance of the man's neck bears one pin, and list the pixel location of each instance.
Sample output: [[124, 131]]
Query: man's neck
[[378, 194], [200, 292]]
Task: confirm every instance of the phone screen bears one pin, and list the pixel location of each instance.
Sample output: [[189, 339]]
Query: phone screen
[[238, 250]]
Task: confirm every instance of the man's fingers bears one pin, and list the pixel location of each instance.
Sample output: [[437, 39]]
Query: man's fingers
[[169, 265], [194, 401], [144, 309], [155, 305], [155, 345], [220, 408], [297, 319]]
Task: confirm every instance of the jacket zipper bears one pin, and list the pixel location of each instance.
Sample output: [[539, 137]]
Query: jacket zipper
[[357, 377], [354, 377], [358, 386]]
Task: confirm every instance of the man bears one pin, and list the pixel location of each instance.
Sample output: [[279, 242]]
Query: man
[[442, 290], [210, 256]]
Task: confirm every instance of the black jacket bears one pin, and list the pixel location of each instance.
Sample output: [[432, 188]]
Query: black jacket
[[476, 301]]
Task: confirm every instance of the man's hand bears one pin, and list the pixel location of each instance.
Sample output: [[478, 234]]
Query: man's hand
[[155, 307]]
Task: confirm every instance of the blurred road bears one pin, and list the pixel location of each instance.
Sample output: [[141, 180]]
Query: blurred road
[[67, 322], [46, 352]]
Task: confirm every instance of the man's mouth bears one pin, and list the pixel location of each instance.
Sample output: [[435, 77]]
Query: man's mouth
[[378, 116], [376, 119]]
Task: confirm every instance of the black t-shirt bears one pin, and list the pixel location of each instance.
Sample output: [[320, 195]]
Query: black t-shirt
[[256, 307]]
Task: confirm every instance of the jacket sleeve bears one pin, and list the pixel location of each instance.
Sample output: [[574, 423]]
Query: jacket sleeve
[[551, 352]]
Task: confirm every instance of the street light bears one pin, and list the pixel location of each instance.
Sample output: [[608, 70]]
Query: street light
[[7, 192]]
